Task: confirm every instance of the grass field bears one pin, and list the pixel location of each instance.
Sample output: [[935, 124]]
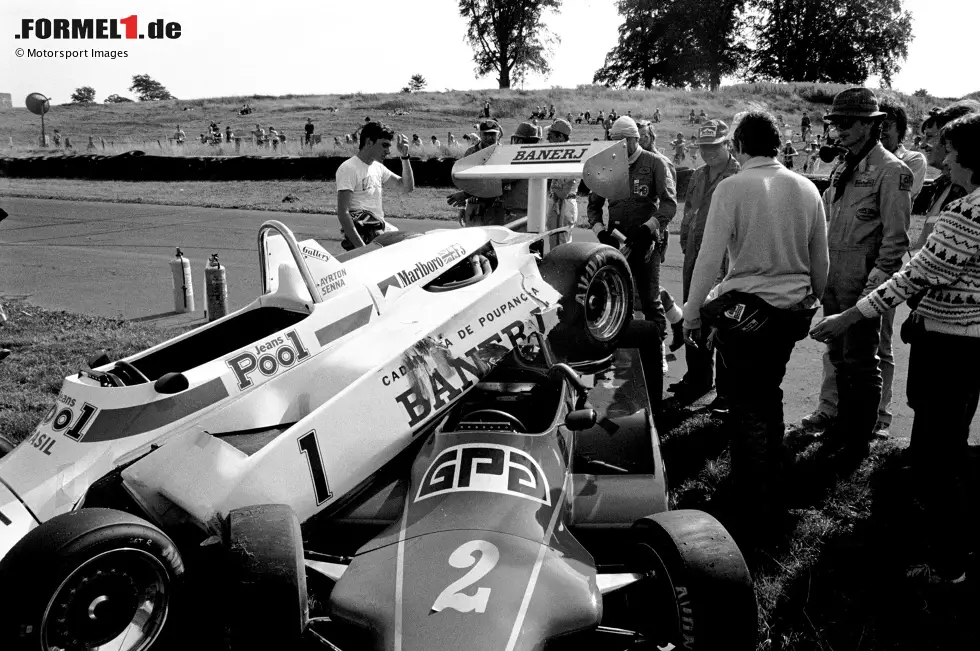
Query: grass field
[[828, 579]]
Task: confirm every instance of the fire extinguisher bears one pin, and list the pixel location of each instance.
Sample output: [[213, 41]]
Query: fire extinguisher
[[216, 288], [180, 269]]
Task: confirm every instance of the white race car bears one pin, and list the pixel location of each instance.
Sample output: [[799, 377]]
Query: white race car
[[383, 420]]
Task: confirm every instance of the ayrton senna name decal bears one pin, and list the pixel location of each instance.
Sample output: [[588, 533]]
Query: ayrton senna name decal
[[485, 468]]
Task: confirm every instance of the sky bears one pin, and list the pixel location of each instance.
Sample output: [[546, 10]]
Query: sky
[[234, 48]]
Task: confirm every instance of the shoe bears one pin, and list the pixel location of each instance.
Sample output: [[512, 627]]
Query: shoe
[[881, 430], [677, 339], [688, 391], [817, 421], [719, 406]]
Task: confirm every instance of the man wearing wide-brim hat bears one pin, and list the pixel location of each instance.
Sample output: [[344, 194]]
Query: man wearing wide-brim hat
[[868, 206]]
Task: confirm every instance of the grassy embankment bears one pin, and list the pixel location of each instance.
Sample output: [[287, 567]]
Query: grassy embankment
[[830, 577], [148, 125]]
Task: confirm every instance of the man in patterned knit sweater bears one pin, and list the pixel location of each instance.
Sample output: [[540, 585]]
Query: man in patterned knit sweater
[[944, 334]]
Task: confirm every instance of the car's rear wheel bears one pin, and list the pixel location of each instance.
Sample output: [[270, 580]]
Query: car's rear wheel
[[596, 289], [696, 590], [94, 578], [268, 606]]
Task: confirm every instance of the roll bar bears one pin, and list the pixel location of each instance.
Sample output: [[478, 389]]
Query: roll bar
[[290, 239]]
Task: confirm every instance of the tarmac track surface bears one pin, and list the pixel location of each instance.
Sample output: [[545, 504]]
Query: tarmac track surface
[[112, 260]]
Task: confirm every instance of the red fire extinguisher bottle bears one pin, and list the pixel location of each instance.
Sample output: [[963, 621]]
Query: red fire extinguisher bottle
[[216, 288], [180, 269]]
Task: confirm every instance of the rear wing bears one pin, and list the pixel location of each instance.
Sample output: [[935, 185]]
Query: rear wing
[[601, 164]]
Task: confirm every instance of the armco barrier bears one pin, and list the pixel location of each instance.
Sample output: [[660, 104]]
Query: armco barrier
[[137, 166]]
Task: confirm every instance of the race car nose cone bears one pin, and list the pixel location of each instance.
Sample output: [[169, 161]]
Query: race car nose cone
[[15, 520]]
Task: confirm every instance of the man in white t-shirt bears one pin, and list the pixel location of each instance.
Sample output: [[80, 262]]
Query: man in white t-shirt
[[360, 180]]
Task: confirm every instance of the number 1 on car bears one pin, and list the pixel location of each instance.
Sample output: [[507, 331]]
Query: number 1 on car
[[308, 446]]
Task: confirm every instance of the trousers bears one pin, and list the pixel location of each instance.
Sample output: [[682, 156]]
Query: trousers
[[886, 364], [944, 391], [853, 354], [756, 362]]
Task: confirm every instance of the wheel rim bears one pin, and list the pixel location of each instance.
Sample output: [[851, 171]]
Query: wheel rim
[[656, 612], [115, 601], [605, 304]]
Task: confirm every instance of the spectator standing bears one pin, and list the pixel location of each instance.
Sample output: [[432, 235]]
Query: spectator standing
[[551, 112], [309, 128], [259, 134], [227, 134], [360, 181], [719, 164], [672, 312], [656, 115], [868, 207], [893, 129], [436, 143], [451, 140], [474, 209], [771, 222], [486, 109], [805, 127], [944, 335], [57, 138], [642, 218], [946, 190], [179, 136], [680, 147], [562, 202], [692, 118], [789, 153], [588, 117]]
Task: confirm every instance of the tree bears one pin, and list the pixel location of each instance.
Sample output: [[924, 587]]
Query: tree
[[148, 89], [843, 41], [507, 36], [116, 99], [416, 83], [922, 92], [83, 95], [675, 43]]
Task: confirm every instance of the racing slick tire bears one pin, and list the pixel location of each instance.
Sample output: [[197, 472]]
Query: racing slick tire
[[596, 289], [87, 578], [698, 592], [6, 446], [269, 605]]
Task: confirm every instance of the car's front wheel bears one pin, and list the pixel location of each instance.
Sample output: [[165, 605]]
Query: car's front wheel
[[6, 446], [695, 590], [93, 578]]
